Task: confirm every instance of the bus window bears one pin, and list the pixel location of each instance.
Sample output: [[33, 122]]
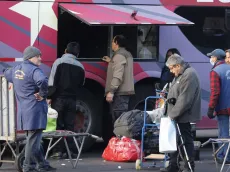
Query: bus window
[[209, 31], [93, 39], [147, 42], [142, 40]]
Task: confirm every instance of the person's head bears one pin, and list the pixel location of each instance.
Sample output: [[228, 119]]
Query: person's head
[[119, 41], [32, 54], [73, 48], [227, 58], [170, 52], [216, 55], [175, 63]]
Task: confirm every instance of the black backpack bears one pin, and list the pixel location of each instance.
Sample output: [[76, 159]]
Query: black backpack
[[130, 124]]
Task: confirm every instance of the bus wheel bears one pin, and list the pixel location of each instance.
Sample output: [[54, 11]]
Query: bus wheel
[[88, 116], [142, 91]]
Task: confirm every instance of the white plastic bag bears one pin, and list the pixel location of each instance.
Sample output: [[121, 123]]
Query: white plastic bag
[[167, 137], [52, 116], [156, 114], [52, 113]]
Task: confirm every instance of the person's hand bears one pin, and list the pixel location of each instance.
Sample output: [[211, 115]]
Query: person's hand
[[210, 113], [162, 94], [106, 59], [38, 97], [109, 97], [48, 101]]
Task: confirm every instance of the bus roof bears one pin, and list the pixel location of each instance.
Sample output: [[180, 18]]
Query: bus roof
[[223, 3]]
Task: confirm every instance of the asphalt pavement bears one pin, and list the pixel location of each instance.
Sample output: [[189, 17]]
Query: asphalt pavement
[[92, 161]]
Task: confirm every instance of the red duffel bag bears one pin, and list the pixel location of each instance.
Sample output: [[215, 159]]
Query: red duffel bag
[[122, 150]]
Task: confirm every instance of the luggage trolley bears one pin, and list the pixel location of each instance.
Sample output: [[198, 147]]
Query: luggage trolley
[[9, 137], [160, 157], [140, 163]]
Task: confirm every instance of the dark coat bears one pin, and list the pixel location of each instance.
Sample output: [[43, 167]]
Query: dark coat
[[166, 77], [28, 79]]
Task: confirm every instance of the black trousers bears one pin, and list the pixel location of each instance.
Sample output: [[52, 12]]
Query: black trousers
[[119, 105], [187, 136], [66, 108]]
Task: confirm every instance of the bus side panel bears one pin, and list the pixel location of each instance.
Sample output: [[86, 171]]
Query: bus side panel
[[172, 37]]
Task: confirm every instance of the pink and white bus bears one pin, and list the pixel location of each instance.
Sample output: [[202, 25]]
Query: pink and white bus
[[194, 27]]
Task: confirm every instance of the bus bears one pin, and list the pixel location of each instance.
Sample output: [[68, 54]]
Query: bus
[[194, 27]]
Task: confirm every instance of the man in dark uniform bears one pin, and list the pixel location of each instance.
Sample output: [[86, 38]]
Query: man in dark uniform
[[31, 88]]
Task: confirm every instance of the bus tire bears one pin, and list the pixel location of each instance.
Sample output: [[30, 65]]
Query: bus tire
[[142, 91], [88, 117], [107, 130], [19, 161]]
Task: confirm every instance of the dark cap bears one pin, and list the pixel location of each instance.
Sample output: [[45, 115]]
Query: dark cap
[[219, 53]]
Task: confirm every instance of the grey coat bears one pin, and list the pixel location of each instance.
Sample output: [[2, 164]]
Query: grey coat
[[186, 89]]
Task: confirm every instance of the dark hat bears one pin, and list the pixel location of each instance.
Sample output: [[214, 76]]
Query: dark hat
[[30, 52], [219, 53]]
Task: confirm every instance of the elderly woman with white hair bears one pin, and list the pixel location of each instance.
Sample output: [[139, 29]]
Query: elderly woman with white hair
[[185, 90]]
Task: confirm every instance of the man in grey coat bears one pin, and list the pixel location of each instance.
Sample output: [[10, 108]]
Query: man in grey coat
[[186, 107], [119, 81]]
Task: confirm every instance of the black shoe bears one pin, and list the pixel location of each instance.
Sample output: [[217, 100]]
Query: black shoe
[[163, 169], [57, 155], [33, 170], [170, 168], [187, 170], [47, 168], [185, 167], [220, 161]]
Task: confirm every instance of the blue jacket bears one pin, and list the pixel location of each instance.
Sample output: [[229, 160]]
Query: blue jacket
[[223, 72], [28, 79]]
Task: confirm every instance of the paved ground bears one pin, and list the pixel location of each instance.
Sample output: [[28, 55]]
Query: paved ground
[[92, 162]]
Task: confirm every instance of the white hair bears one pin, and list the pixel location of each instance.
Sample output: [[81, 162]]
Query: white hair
[[175, 59]]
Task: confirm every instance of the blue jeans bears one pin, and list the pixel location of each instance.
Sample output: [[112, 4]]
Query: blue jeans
[[223, 126], [34, 153]]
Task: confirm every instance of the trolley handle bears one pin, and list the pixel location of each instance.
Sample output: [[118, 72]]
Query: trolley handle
[[205, 143], [152, 97], [161, 91], [146, 100], [94, 136]]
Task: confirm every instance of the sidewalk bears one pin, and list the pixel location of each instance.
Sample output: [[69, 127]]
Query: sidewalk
[[92, 162]]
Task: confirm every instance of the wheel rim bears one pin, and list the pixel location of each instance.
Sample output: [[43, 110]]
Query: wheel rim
[[83, 120]]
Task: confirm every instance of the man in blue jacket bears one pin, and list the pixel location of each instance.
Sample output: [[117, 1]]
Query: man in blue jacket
[[219, 103], [31, 88]]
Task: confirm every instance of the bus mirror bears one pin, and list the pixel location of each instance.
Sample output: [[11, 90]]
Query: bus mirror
[[213, 32], [214, 26], [227, 19]]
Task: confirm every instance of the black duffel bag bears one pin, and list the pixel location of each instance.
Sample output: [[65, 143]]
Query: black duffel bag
[[130, 124]]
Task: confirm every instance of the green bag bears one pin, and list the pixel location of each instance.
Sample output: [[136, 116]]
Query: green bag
[[52, 116]]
